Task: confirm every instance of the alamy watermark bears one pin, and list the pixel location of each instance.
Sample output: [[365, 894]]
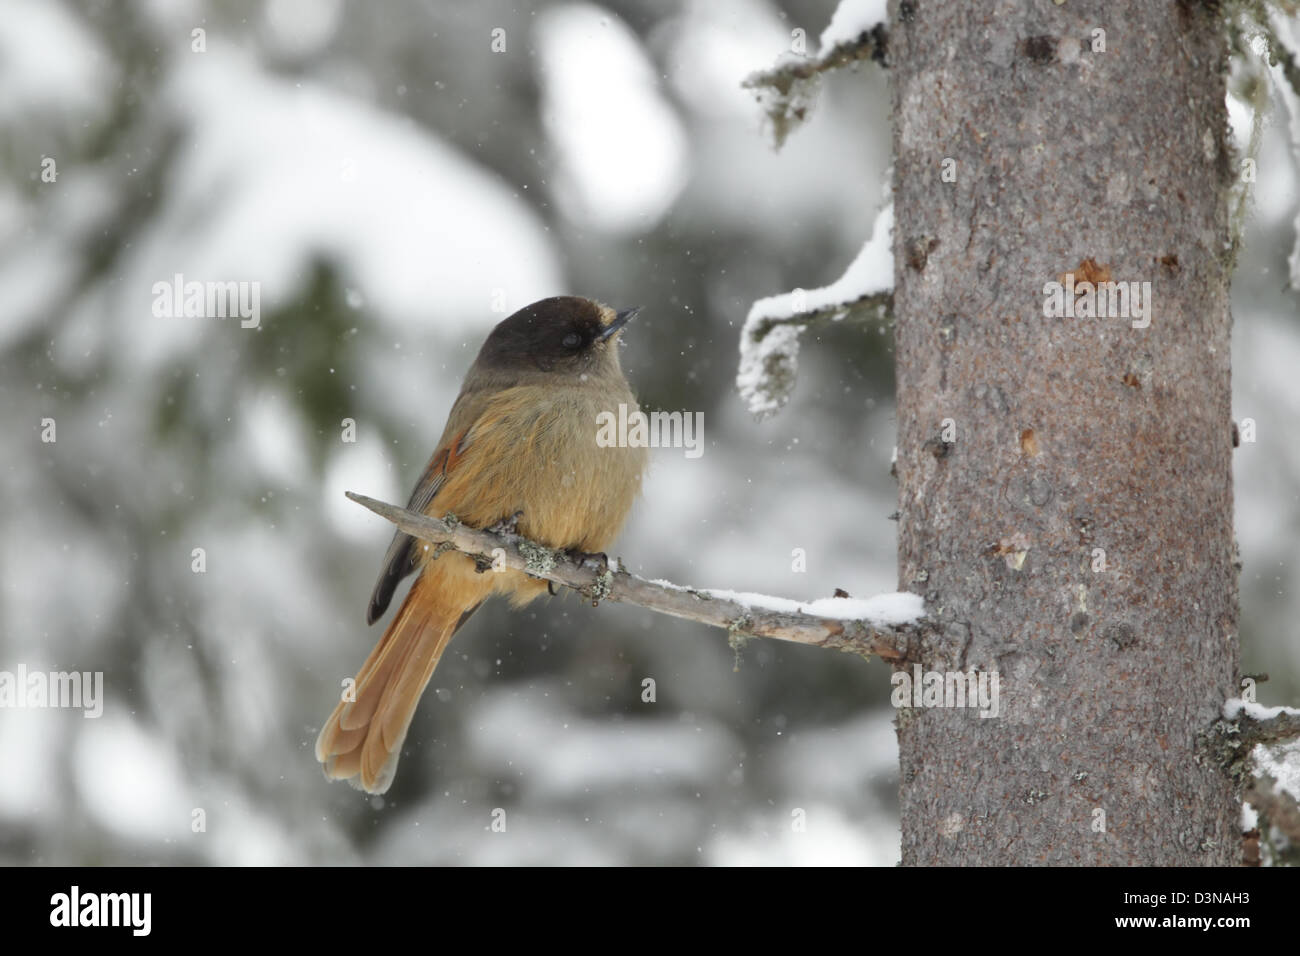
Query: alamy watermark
[[975, 689], [208, 300], [1098, 300], [636, 429], [129, 910], [81, 690]]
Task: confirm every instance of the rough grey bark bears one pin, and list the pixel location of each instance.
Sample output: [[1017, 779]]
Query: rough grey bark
[[1071, 434]]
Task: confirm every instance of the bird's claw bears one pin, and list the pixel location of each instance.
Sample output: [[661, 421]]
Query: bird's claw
[[597, 560], [508, 525]]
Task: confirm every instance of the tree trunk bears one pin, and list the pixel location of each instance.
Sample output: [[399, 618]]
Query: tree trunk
[[1076, 537]]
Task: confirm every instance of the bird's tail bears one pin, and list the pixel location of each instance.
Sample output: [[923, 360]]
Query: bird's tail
[[362, 740]]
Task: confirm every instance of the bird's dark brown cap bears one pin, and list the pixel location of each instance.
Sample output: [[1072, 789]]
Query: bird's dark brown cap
[[562, 333]]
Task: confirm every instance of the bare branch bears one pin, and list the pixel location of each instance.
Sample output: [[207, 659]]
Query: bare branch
[[588, 576]]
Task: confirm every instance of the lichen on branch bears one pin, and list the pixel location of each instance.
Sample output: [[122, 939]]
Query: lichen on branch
[[885, 626]]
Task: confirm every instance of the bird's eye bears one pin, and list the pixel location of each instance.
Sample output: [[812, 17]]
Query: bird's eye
[[572, 340]]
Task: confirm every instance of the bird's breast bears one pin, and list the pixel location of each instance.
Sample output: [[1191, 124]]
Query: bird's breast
[[582, 485]]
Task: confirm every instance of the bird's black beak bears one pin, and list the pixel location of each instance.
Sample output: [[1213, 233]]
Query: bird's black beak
[[620, 319]]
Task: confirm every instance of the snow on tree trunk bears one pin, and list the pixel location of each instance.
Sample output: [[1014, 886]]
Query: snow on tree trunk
[[1065, 482]]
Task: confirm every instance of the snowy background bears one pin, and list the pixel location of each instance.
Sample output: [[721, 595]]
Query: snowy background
[[389, 179]]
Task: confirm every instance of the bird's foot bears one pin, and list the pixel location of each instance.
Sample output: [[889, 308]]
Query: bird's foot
[[507, 525], [594, 560]]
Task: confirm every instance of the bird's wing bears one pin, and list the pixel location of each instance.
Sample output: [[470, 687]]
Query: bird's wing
[[404, 551]]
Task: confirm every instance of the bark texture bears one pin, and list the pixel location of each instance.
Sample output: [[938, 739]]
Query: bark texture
[[1071, 434]]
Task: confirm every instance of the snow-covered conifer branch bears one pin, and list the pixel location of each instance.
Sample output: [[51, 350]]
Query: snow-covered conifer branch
[[788, 90], [769, 342]]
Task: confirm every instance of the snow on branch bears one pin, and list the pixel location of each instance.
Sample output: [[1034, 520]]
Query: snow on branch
[[1256, 724], [769, 341], [882, 625], [1270, 800], [1269, 737], [1249, 733], [788, 91]]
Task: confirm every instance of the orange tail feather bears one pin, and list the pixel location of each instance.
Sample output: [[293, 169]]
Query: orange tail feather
[[362, 739]]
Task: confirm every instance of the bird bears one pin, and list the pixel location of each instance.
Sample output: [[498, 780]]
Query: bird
[[520, 442]]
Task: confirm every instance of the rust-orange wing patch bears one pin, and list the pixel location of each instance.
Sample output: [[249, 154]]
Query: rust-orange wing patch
[[403, 551]]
